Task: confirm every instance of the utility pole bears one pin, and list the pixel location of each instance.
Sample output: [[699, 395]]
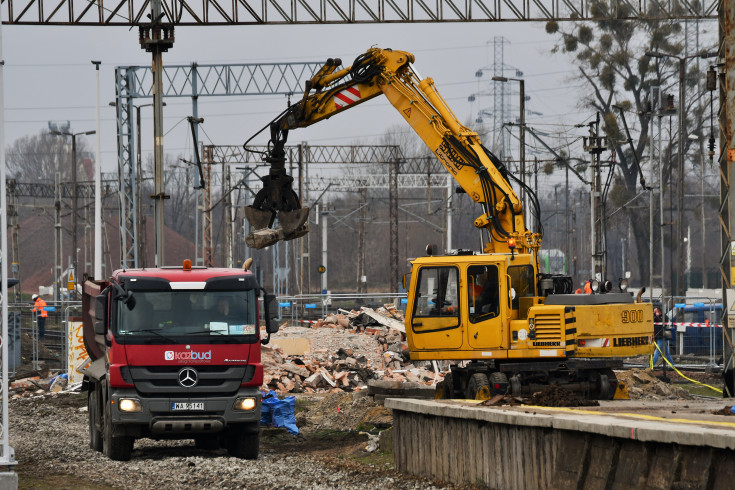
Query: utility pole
[[595, 145], [74, 254], [393, 218], [57, 240], [98, 185], [157, 38], [324, 214], [13, 224], [360, 241]]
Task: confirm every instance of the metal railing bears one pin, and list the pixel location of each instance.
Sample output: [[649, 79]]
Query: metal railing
[[52, 350], [310, 307], [697, 341]]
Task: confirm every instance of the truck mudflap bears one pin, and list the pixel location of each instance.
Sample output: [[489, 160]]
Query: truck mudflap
[[187, 425]]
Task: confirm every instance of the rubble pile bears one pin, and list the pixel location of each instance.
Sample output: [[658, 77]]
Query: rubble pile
[[36, 384], [643, 384], [342, 353]]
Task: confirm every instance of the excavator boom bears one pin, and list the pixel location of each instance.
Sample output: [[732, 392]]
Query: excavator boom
[[459, 149]]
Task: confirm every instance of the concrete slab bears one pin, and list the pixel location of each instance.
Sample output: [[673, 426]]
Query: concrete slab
[[8, 480], [292, 346]]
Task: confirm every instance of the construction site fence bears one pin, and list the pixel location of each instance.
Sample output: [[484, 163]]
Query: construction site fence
[[692, 343], [308, 308], [27, 351], [694, 327]]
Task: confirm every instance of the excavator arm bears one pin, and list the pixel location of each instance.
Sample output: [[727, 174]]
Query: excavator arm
[[387, 72]]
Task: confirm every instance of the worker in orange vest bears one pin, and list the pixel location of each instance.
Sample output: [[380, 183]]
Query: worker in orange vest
[[587, 288], [39, 308]]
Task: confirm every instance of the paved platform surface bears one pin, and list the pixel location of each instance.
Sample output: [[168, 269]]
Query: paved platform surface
[[686, 422]]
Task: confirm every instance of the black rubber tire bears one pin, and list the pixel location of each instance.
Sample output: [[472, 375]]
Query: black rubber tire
[[118, 448], [207, 442], [95, 435], [244, 445], [475, 385], [498, 378], [445, 389], [612, 381]]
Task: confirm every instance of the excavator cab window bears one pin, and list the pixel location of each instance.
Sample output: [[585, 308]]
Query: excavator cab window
[[437, 294], [521, 284], [483, 292]]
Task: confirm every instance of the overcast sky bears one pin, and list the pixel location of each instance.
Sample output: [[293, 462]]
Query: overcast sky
[[49, 77]]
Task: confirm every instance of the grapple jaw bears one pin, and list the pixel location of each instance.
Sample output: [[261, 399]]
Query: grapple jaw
[[290, 225], [276, 200], [266, 237]]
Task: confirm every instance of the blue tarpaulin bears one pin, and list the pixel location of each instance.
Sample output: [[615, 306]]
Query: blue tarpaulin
[[279, 413]]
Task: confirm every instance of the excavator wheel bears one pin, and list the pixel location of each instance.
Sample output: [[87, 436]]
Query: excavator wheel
[[498, 383], [478, 387], [612, 382], [445, 389]]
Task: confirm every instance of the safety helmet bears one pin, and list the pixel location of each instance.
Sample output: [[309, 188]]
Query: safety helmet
[[34, 297]]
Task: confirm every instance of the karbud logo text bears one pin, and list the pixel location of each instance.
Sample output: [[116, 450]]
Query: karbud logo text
[[188, 356]]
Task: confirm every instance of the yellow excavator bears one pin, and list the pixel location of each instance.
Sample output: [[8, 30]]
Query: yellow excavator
[[505, 327]]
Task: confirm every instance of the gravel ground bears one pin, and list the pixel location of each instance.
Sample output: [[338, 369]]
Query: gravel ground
[[50, 438]]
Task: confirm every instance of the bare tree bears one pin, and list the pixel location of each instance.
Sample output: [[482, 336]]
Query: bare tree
[[610, 58], [37, 158]]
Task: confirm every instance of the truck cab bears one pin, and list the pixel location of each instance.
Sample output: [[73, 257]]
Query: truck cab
[[175, 354]]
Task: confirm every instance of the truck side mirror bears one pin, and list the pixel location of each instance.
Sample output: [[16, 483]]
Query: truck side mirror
[[271, 313], [100, 310]]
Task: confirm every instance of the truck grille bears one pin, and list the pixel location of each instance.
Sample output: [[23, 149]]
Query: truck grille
[[163, 381], [548, 326]]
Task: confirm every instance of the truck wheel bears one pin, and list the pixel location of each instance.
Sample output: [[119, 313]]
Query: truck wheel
[[95, 435], [118, 448], [244, 445], [207, 442], [498, 383], [478, 388]]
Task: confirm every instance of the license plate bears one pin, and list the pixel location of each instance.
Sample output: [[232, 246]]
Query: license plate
[[176, 406]]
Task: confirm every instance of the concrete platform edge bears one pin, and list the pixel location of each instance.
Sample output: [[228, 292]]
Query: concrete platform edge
[[641, 430]]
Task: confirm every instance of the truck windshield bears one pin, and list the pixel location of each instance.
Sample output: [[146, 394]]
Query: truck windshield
[[165, 314]]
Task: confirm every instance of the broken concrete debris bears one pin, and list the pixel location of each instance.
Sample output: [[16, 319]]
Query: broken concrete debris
[[380, 353], [41, 383]]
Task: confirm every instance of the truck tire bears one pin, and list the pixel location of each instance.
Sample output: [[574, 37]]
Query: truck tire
[[118, 448], [478, 388], [208, 443], [243, 444], [95, 435]]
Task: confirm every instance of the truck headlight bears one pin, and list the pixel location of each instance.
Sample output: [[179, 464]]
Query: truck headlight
[[129, 405], [245, 404]]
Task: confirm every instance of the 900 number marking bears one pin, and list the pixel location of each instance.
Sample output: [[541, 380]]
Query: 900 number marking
[[632, 316]]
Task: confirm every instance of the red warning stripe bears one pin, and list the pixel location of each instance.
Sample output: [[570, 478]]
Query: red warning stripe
[[348, 96]]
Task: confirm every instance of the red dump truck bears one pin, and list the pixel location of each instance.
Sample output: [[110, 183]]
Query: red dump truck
[[175, 354]]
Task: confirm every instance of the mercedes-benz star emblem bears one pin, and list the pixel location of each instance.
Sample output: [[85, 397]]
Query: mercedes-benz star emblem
[[188, 377]]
